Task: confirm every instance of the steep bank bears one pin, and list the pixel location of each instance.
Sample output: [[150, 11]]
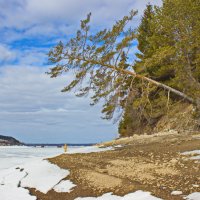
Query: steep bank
[[180, 117]]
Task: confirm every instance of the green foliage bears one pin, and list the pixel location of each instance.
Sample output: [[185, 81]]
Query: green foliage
[[169, 53], [97, 59], [169, 44]]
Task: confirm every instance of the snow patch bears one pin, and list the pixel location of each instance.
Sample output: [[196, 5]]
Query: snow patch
[[191, 152], [176, 193], [193, 196], [11, 177], [89, 149], [37, 173], [64, 186], [138, 195], [10, 185], [13, 156], [195, 157], [42, 175], [196, 154], [11, 193], [118, 146]]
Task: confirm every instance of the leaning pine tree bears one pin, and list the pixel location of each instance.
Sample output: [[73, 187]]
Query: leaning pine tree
[[103, 63]]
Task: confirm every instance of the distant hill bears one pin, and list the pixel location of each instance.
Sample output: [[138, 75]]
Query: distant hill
[[8, 141]]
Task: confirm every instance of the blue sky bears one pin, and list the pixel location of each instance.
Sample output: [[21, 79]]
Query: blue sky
[[32, 108]]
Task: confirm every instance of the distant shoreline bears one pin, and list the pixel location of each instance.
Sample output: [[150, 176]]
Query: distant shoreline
[[9, 141], [56, 145]]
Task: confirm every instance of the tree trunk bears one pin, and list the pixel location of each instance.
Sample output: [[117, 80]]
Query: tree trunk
[[134, 74]]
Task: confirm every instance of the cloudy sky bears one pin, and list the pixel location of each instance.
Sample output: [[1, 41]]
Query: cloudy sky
[[32, 108]]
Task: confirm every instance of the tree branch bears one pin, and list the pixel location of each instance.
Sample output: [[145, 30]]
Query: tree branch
[[132, 73]]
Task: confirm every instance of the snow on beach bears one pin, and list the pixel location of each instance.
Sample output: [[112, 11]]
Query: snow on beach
[[90, 149], [64, 186], [193, 196], [11, 156], [196, 154], [25, 167], [139, 195], [42, 175]]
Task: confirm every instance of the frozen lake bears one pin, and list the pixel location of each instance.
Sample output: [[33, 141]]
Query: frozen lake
[[12, 156], [17, 155]]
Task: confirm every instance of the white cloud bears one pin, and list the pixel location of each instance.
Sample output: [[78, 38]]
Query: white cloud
[[32, 108], [24, 56], [50, 17], [33, 56], [6, 54]]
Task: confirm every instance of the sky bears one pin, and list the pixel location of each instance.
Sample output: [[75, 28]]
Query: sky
[[32, 108]]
